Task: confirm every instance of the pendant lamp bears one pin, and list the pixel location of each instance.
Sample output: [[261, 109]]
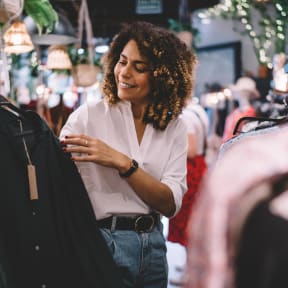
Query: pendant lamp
[[58, 58], [62, 34], [16, 39]]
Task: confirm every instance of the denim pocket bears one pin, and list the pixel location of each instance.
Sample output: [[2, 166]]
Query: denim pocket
[[107, 235]]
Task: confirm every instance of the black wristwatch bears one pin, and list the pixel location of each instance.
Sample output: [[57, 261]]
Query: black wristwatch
[[131, 170]]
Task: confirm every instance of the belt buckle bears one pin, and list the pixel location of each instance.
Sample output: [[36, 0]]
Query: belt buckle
[[139, 221]]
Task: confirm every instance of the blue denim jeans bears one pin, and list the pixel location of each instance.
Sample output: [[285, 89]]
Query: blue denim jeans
[[141, 257]]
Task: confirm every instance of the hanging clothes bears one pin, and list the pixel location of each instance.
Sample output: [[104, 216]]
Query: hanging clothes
[[177, 229], [232, 119], [196, 120], [254, 126], [239, 181], [262, 255], [52, 241], [238, 138]]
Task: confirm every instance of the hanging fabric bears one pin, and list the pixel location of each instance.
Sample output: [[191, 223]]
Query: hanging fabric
[[9, 10], [53, 241], [233, 187], [85, 74], [4, 70]]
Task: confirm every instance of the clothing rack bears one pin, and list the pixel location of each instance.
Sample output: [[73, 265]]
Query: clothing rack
[[277, 112], [278, 97]]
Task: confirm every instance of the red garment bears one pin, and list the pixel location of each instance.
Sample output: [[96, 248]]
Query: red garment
[[196, 168]]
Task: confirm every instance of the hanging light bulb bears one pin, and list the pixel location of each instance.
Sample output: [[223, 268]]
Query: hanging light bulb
[[17, 40], [58, 58]]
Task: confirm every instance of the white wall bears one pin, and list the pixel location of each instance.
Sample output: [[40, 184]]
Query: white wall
[[220, 31]]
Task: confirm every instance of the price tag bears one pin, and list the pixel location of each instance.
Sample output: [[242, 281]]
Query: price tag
[[32, 182]]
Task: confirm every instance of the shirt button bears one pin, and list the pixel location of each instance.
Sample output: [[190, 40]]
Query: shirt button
[[43, 286], [37, 247], [33, 213]]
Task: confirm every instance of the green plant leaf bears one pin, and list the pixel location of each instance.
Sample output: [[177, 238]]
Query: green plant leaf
[[43, 13]]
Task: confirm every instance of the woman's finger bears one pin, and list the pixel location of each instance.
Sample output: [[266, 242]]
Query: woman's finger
[[76, 149], [77, 140], [82, 158]]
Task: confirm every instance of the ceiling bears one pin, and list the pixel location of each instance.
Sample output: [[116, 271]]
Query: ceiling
[[108, 15]]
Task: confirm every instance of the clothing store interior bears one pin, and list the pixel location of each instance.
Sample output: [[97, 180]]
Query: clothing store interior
[[231, 231]]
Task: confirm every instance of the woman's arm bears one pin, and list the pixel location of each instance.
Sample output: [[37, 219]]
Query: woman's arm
[[152, 191]]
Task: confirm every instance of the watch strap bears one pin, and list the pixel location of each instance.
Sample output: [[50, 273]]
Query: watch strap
[[131, 170]]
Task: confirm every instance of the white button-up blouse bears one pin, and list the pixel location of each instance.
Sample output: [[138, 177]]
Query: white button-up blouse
[[162, 154]]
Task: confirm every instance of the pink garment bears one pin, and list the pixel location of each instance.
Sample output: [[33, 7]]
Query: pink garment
[[215, 220], [233, 118]]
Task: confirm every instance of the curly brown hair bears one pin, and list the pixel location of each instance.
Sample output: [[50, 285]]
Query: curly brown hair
[[171, 74]]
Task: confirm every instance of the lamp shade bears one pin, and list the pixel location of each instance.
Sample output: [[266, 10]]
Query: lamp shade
[[17, 40], [62, 34], [58, 58]]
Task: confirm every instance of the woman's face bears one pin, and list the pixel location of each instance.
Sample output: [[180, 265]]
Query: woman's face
[[132, 75]]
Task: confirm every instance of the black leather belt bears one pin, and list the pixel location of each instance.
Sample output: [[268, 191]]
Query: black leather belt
[[139, 223]]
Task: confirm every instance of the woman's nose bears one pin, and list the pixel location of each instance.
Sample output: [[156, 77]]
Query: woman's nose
[[126, 71]]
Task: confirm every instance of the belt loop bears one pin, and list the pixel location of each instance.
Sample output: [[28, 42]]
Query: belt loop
[[113, 224]]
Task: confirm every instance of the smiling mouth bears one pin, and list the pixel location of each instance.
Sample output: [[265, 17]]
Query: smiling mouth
[[126, 85]]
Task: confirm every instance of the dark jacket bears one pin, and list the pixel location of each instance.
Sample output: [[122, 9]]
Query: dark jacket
[[53, 241]]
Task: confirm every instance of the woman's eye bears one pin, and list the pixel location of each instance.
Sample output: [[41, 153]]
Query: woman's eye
[[141, 69]]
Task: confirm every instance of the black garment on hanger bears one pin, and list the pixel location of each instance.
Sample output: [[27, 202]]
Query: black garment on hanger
[[54, 241], [262, 258]]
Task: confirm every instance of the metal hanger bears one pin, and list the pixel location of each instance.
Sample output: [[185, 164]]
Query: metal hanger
[[7, 105]]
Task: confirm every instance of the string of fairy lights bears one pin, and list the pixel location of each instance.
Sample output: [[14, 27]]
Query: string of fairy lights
[[268, 31]]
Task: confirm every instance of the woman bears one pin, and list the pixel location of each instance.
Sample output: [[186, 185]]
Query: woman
[[131, 147]]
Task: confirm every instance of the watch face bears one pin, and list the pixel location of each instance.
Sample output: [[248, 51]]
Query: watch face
[[134, 164]]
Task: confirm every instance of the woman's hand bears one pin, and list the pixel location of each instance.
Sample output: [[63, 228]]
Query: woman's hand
[[88, 149]]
